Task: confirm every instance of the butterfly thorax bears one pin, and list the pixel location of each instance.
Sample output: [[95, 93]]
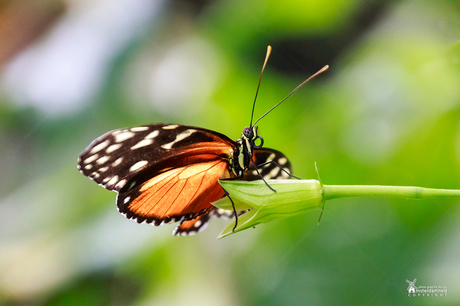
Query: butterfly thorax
[[243, 155]]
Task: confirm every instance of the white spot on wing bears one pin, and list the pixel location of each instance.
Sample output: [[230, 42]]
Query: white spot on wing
[[123, 136], [138, 165], [106, 179], [142, 143], [198, 223], [284, 175], [121, 184], [139, 129], [170, 127], [102, 160], [222, 213], [99, 147], [152, 135], [269, 159], [103, 169], [282, 161], [88, 167], [179, 137], [117, 162], [275, 172], [113, 180], [91, 158], [126, 200], [113, 148]]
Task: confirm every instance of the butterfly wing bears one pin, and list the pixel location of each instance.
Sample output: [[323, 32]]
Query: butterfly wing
[[179, 193], [140, 153], [271, 164], [191, 227], [275, 165], [162, 172]]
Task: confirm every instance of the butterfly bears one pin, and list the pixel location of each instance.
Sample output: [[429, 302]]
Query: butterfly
[[167, 173]]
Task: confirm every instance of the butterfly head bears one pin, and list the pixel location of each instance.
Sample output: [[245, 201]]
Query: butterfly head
[[250, 134]]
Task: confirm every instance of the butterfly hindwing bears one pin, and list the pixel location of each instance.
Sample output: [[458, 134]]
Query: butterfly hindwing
[[271, 164], [191, 227], [179, 193]]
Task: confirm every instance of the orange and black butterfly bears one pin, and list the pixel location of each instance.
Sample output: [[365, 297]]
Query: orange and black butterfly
[[169, 173]]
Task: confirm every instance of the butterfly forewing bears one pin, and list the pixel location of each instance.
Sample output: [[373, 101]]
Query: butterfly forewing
[[121, 156]]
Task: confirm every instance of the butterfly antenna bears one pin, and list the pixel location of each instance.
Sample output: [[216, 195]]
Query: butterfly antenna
[[269, 50], [295, 89]]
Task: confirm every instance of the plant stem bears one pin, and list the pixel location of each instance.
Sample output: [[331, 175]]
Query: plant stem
[[343, 191]]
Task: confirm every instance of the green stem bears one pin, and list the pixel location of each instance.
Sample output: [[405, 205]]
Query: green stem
[[342, 191]]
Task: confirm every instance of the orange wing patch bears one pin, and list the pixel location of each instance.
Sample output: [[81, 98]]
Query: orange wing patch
[[180, 192], [191, 227]]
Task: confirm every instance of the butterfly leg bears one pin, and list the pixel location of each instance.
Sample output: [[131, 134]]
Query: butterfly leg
[[234, 209], [260, 175]]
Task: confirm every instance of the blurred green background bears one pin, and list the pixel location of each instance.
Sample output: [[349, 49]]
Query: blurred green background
[[386, 112]]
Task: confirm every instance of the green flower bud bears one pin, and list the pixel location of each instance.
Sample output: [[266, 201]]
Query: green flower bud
[[291, 197]]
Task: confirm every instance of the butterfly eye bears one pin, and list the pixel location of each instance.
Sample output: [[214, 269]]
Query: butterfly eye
[[248, 133], [261, 142]]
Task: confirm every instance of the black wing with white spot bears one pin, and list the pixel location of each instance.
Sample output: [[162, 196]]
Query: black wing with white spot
[[142, 152], [271, 164]]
